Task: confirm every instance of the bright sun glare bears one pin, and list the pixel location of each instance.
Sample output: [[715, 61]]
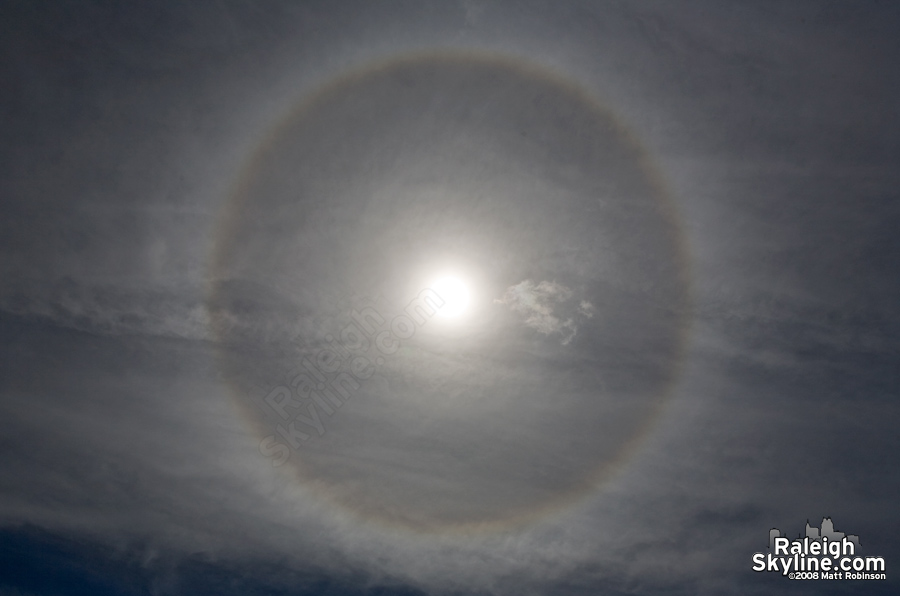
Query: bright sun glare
[[455, 294]]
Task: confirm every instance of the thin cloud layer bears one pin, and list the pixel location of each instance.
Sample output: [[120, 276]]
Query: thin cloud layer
[[769, 129]]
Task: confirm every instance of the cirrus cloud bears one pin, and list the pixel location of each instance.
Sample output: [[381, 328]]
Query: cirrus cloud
[[547, 307]]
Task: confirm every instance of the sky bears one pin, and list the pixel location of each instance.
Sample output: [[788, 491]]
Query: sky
[[445, 298]]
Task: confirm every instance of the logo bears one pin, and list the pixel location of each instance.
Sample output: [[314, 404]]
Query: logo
[[823, 554]]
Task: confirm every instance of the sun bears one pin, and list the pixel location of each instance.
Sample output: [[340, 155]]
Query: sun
[[455, 294]]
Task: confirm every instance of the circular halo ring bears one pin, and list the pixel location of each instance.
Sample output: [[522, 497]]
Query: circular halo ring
[[231, 231]]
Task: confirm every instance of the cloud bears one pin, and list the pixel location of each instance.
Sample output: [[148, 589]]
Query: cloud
[[546, 307], [779, 160], [107, 309]]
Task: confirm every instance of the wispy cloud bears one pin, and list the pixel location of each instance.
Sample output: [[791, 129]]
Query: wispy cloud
[[547, 307]]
